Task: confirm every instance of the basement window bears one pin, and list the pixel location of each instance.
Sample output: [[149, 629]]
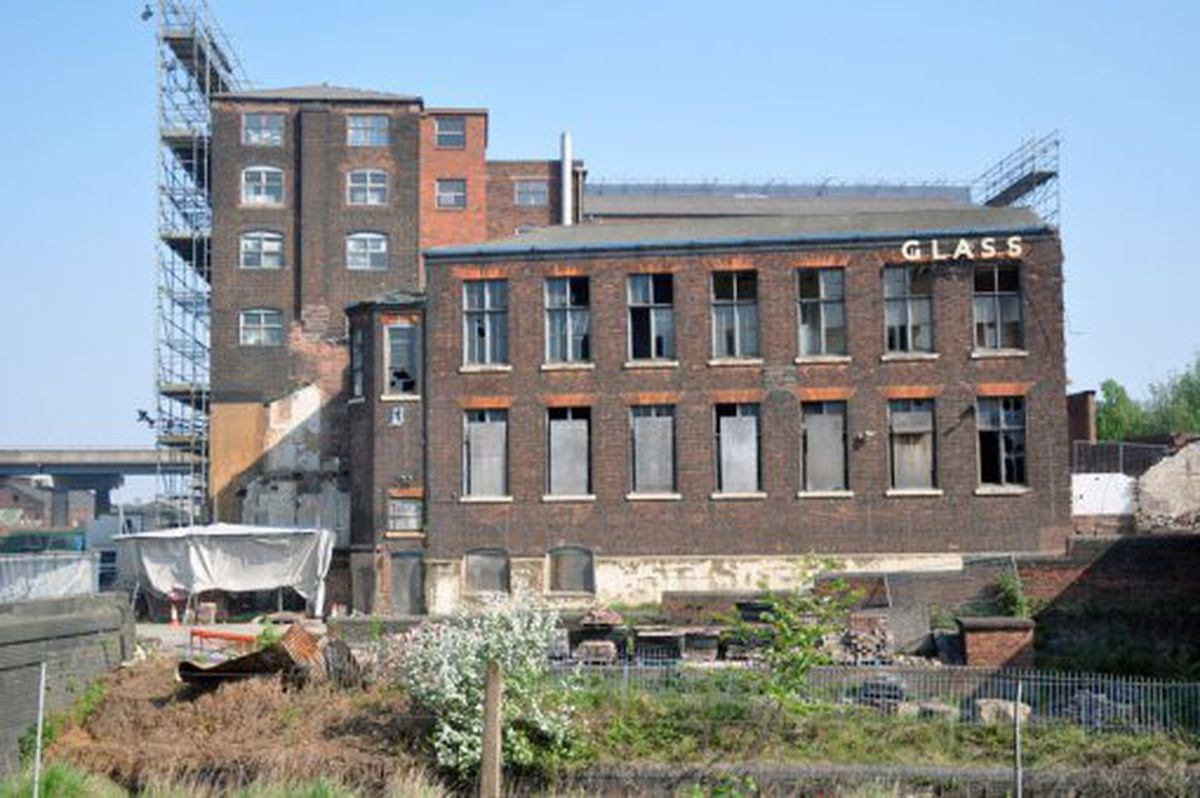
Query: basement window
[[735, 314], [450, 132], [911, 451], [651, 317], [822, 311], [260, 327], [823, 446], [261, 249], [262, 185], [366, 251], [908, 308], [367, 187], [531, 193], [998, 307], [739, 465], [485, 453], [653, 448], [568, 471], [367, 130], [486, 571], [568, 320], [403, 515], [485, 322], [572, 570], [451, 194], [262, 130], [401, 359], [1001, 422]]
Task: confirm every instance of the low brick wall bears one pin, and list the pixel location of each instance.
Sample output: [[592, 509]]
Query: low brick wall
[[997, 642]]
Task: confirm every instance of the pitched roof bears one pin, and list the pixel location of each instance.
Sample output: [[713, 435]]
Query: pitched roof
[[322, 92]]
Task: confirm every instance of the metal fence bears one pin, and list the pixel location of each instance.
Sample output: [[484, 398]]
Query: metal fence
[[1114, 457], [967, 694]]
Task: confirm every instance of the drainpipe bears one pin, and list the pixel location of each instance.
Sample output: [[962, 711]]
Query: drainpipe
[[567, 207]]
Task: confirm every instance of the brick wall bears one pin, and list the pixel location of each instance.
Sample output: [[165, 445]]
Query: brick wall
[[504, 215], [997, 642], [444, 226], [1149, 569]]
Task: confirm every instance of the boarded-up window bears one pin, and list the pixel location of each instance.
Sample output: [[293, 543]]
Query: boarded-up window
[[653, 449], [569, 445], [572, 570], [402, 359], [485, 456], [487, 571], [738, 466], [911, 446], [407, 584], [823, 446], [1001, 422]]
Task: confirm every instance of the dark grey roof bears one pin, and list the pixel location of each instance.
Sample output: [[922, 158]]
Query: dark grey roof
[[816, 227], [321, 92]]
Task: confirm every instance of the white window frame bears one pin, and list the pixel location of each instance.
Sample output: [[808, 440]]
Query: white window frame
[[266, 323], [996, 299], [264, 244], [265, 135], [741, 349], [448, 200], [907, 300], [653, 308], [363, 130], [387, 358], [395, 510], [531, 192], [367, 251], [821, 305], [255, 184], [573, 349], [449, 139], [491, 314], [370, 184]]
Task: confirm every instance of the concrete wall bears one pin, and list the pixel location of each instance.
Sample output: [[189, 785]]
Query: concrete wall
[[79, 639], [1103, 495]]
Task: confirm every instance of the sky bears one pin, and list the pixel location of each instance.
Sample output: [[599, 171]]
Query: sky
[[676, 90]]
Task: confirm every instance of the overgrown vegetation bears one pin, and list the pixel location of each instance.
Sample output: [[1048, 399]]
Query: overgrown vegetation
[[55, 722], [1010, 595], [1173, 407]]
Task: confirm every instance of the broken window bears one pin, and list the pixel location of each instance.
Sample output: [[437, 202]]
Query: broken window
[[357, 360], [450, 132], [262, 130], [366, 251], [262, 185], [451, 193], [403, 515], [401, 359], [568, 467], [260, 327], [572, 570], [998, 307], [908, 308], [367, 187], [568, 319], [485, 321], [653, 448], [531, 193], [822, 311], [485, 453], [735, 314], [261, 249], [739, 467], [1001, 422], [651, 317], [823, 446], [911, 449], [486, 571], [367, 130]]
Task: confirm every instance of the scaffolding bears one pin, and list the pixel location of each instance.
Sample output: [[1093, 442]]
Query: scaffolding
[[1026, 177], [195, 62]]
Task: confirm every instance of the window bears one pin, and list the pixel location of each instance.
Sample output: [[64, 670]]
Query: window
[[357, 360], [367, 187], [366, 251], [262, 185], [367, 130], [568, 471], [822, 312], [998, 307], [486, 571], [485, 455], [261, 250], [262, 130], [404, 515], [735, 314], [1001, 422], [651, 317], [451, 193], [485, 322], [572, 570], [450, 132], [908, 308], [260, 327], [910, 449], [738, 463], [568, 319], [532, 193], [401, 359], [823, 446], [653, 448]]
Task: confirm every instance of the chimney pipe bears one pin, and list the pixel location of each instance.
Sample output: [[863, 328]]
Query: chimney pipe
[[567, 205]]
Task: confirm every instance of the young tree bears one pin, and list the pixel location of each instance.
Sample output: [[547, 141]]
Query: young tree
[[1118, 417], [1174, 405]]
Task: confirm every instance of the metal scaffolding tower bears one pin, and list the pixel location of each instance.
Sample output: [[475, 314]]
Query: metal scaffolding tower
[[195, 62], [1027, 176]]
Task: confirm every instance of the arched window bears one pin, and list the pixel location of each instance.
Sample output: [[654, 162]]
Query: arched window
[[262, 185], [367, 187], [366, 251], [486, 571], [261, 249], [572, 570], [260, 327]]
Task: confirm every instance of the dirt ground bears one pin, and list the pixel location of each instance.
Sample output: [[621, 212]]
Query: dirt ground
[[151, 728]]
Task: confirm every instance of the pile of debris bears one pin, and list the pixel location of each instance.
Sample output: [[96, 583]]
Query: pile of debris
[[299, 656]]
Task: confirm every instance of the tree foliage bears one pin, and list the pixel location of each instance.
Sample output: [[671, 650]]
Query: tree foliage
[[1173, 407]]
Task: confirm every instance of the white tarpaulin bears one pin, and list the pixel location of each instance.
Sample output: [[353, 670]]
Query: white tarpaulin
[[50, 575], [235, 557]]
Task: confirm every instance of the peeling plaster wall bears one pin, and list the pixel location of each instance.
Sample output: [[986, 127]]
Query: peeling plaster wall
[[293, 437], [1169, 493]]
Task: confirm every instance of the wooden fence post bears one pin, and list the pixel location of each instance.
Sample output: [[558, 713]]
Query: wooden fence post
[[489, 776]]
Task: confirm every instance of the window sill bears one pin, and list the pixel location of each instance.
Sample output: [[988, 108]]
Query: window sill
[[581, 366], [551, 498], [904, 357], [822, 360], [275, 206], [912, 493], [751, 495], [485, 368], [997, 354], [402, 535], [458, 208], [825, 494], [571, 594], [485, 499], [400, 397], [653, 497], [650, 364], [1003, 490], [729, 362]]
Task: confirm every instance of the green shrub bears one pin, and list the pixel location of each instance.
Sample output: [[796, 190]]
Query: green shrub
[[1010, 595]]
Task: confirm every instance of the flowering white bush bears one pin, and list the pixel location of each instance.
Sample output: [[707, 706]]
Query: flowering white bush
[[443, 664]]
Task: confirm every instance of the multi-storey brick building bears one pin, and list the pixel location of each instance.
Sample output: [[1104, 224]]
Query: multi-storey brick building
[[604, 412]]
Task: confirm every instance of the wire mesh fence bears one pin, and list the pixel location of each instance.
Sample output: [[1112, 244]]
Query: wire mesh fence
[[1114, 457]]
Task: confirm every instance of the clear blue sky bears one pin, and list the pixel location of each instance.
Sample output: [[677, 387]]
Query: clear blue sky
[[665, 89]]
